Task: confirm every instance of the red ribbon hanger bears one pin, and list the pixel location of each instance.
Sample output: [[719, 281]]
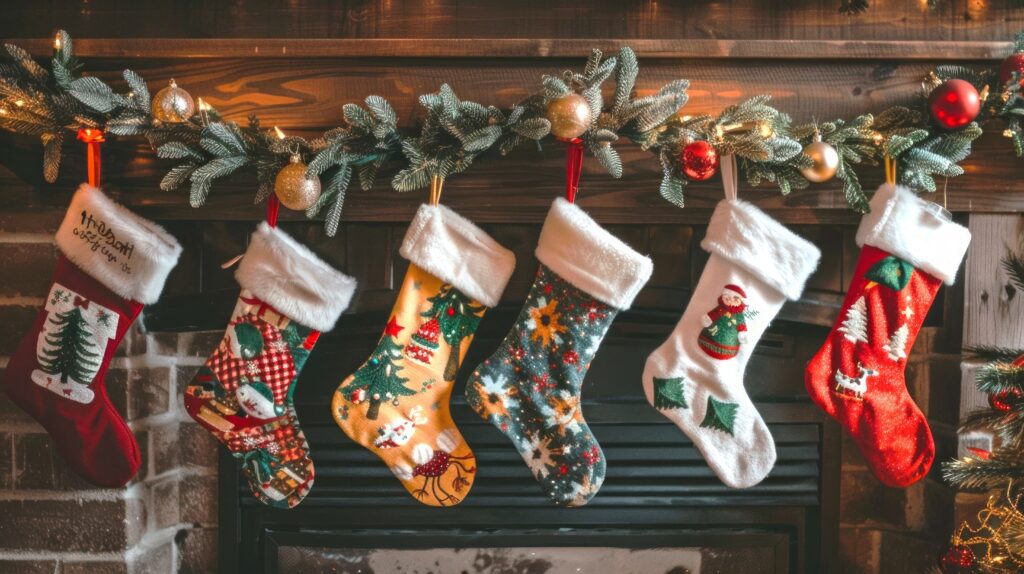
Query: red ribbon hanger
[[573, 167], [92, 138], [273, 207]]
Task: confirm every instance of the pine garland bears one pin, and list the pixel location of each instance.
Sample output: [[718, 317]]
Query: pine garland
[[454, 132]]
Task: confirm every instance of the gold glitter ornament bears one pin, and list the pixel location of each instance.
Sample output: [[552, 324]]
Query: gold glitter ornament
[[569, 116], [294, 189], [826, 161], [173, 105]]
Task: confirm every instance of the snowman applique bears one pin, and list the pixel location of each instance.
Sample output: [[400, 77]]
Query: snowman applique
[[725, 326]]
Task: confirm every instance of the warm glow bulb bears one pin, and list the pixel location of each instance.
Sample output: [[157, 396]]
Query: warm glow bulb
[[280, 134], [56, 42], [203, 105], [19, 103]]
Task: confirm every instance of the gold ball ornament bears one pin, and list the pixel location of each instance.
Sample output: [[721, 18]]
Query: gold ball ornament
[[294, 189], [569, 116], [826, 162], [173, 105]]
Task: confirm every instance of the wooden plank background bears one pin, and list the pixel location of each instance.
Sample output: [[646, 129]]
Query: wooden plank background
[[953, 20], [295, 63]]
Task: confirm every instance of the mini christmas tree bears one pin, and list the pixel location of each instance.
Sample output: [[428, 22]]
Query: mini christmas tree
[[70, 350], [424, 342], [855, 326], [379, 377], [670, 393], [720, 415], [897, 345], [458, 318]]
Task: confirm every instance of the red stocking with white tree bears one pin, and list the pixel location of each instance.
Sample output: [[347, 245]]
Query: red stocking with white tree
[[111, 264], [909, 247]]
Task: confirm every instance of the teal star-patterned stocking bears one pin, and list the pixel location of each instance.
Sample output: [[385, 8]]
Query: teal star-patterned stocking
[[530, 388]]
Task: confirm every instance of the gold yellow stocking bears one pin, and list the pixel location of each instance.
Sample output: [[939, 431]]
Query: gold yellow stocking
[[397, 403]]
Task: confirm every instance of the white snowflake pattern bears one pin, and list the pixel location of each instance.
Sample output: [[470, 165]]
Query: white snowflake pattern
[[538, 456], [494, 385], [252, 368], [574, 427], [538, 467], [595, 343], [547, 452], [578, 493]]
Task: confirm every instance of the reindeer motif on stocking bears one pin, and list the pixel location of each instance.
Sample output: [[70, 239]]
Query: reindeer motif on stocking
[[854, 387]]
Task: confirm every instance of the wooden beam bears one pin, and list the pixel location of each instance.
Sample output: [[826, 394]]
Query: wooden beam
[[524, 48], [993, 308]]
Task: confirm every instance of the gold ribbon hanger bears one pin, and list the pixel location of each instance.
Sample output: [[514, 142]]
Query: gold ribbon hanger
[[436, 187]]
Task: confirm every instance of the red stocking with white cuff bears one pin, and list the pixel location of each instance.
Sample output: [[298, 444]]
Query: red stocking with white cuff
[[112, 263], [858, 377]]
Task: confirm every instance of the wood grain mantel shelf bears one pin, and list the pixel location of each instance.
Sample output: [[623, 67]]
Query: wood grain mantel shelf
[[525, 48], [300, 84]]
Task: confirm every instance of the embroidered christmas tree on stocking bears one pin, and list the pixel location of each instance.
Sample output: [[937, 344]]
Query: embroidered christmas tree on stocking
[[907, 251], [243, 394], [397, 403], [695, 378], [530, 388], [112, 262]]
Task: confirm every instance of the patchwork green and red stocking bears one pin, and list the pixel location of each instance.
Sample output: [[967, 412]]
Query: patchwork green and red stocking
[[909, 247], [243, 394], [530, 388]]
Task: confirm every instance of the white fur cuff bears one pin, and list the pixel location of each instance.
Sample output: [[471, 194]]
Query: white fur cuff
[[751, 239], [451, 248], [130, 255], [287, 275], [906, 226], [583, 253]]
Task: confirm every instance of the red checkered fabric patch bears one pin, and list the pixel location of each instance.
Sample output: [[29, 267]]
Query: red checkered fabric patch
[[274, 366]]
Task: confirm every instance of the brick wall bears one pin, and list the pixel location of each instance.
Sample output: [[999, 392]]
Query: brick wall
[[54, 522]]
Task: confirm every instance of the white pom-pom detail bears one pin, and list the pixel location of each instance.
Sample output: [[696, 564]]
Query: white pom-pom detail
[[421, 454], [446, 441], [402, 471]]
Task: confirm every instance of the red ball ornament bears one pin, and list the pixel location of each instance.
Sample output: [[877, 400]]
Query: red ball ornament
[[699, 160], [958, 559], [1003, 401], [1015, 63], [954, 104]]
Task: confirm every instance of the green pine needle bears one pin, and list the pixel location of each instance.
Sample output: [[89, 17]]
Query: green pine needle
[[454, 133]]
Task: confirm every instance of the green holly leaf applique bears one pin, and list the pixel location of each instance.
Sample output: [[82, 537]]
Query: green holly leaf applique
[[670, 393], [720, 415], [891, 272], [249, 341]]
